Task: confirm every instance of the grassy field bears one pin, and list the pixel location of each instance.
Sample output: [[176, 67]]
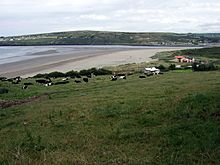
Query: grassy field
[[166, 119], [211, 54]]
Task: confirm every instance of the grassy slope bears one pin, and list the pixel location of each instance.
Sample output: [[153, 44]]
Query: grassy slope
[[167, 119], [204, 54], [113, 38]]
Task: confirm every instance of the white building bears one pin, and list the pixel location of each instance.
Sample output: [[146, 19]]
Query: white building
[[151, 70]]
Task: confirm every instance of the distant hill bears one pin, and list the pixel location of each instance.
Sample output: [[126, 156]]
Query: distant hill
[[113, 38]]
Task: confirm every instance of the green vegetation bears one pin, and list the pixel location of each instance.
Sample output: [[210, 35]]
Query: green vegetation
[[211, 54], [172, 118], [204, 67], [165, 119], [207, 59], [113, 38], [73, 74]]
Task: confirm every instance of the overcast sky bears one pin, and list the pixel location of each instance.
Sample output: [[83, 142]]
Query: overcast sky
[[37, 16]]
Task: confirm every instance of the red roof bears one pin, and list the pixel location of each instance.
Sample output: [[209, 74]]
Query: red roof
[[179, 57]]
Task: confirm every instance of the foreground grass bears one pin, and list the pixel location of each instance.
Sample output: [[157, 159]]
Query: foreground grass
[[166, 119]]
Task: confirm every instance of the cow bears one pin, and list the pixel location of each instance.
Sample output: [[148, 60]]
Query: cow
[[3, 79], [121, 74], [123, 77], [48, 84], [77, 81], [18, 78], [61, 82], [42, 81], [65, 79], [86, 80], [142, 76], [113, 78]]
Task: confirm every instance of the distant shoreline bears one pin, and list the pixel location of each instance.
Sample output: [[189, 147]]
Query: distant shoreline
[[117, 45], [123, 45]]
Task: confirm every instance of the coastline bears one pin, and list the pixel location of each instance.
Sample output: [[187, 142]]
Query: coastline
[[81, 60]]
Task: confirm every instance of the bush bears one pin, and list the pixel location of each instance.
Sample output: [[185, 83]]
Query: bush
[[72, 74], [41, 75], [102, 71], [56, 74], [161, 67], [95, 71], [172, 67], [3, 90], [203, 67], [84, 72]]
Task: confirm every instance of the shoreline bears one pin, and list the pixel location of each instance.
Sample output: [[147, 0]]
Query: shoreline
[[81, 60]]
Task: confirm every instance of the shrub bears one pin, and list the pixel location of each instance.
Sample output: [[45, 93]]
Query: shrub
[[72, 74], [56, 74], [203, 67], [3, 90], [102, 71], [84, 72], [172, 67], [161, 67], [95, 71], [41, 75]]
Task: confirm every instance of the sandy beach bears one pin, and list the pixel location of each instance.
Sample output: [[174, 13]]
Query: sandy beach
[[81, 60]]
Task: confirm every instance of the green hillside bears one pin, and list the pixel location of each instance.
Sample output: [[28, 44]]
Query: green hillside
[[171, 118], [165, 119], [211, 54], [113, 38]]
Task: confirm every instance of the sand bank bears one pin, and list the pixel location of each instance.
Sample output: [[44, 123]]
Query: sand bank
[[83, 60]]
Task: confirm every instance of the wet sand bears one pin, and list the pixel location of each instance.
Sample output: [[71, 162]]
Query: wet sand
[[82, 60]]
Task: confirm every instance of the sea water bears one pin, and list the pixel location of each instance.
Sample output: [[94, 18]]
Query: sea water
[[10, 54]]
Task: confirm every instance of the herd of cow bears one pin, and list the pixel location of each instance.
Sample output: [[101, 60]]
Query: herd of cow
[[43, 81], [48, 82]]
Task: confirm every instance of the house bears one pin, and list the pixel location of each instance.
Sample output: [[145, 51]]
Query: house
[[185, 59], [179, 58], [152, 70]]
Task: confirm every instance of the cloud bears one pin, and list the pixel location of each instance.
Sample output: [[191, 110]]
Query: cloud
[[25, 16], [214, 26], [94, 17]]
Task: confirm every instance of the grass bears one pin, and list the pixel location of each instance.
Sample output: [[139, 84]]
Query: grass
[[165, 119], [211, 54]]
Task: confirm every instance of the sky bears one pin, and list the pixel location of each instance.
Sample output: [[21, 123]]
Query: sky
[[19, 17]]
